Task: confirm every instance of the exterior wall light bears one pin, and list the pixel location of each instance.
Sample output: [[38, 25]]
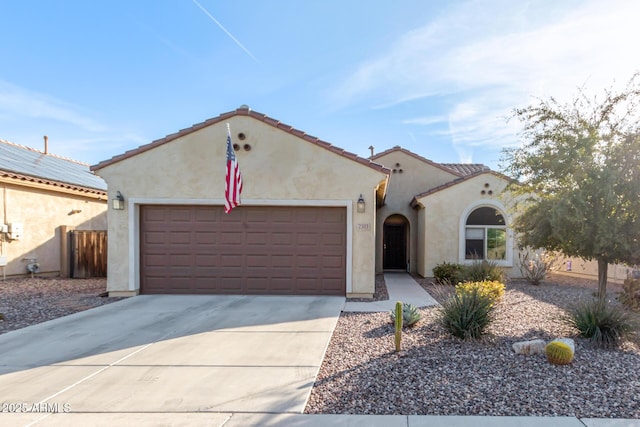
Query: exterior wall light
[[361, 204], [118, 201]]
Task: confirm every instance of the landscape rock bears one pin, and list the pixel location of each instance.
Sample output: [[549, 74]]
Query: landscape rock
[[529, 347]]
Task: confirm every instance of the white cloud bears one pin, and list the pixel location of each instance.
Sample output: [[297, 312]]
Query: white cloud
[[72, 133], [17, 102], [487, 58], [425, 121]]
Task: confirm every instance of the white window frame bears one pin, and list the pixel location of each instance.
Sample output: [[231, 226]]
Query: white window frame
[[485, 238], [462, 241]]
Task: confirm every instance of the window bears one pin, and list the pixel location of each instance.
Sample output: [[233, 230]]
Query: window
[[485, 235]]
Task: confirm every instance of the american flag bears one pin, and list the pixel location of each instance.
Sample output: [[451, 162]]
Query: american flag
[[233, 179]]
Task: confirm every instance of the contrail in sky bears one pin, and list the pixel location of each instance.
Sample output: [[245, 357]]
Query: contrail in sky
[[226, 31]]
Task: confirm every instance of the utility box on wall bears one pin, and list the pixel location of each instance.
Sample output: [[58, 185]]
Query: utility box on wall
[[15, 231]]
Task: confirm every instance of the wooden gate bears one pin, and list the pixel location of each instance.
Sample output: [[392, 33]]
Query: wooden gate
[[88, 254]]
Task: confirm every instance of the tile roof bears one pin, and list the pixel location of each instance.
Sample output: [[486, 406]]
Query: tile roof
[[457, 181], [466, 168], [29, 164], [419, 157], [244, 111]]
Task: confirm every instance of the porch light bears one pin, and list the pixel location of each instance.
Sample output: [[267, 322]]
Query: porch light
[[118, 201], [361, 204]]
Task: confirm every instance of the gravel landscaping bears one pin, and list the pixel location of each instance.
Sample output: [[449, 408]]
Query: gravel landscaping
[[437, 374], [27, 301]]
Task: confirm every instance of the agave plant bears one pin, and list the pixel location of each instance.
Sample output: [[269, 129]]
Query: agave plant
[[410, 314]]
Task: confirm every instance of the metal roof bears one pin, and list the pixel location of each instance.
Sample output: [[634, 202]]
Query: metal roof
[[33, 163]]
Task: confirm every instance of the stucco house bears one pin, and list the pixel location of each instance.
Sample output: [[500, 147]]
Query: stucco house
[[442, 212], [314, 218], [41, 197]]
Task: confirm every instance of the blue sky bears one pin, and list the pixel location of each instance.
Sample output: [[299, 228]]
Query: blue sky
[[439, 78]]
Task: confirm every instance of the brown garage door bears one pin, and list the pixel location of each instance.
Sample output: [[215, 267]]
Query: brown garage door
[[252, 250]]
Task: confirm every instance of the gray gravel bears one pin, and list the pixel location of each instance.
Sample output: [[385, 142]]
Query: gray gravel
[[437, 374], [27, 301]]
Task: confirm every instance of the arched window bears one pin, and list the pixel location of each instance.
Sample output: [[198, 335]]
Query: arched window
[[486, 235]]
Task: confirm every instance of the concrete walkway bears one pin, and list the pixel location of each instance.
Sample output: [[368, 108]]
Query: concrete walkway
[[235, 419], [401, 287]]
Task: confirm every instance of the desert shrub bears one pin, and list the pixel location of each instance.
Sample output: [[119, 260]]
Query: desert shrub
[[466, 314], [480, 270], [605, 325], [410, 315], [536, 267], [630, 294], [492, 289], [447, 273]]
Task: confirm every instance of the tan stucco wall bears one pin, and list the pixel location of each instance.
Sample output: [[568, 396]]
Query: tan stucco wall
[[42, 212], [280, 169], [616, 273], [441, 217], [417, 176]]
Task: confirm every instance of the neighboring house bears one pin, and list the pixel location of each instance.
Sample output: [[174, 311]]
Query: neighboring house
[[580, 268], [41, 195], [299, 229]]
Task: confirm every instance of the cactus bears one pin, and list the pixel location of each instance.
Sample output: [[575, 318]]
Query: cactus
[[558, 353], [398, 325], [410, 314]]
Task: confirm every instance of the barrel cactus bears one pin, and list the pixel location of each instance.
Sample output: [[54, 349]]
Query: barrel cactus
[[559, 353], [410, 314]]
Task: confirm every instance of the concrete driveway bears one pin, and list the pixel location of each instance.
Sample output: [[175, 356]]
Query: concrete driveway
[[168, 354]]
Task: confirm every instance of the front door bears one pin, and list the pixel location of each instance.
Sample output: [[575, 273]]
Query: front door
[[394, 247]]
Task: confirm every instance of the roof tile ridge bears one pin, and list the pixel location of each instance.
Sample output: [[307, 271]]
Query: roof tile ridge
[[417, 156]]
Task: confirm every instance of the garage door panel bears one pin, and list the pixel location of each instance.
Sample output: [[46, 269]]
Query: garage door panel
[[332, 239], [307, 261], [332, 262], [257, 261], [257, 239], [261, 250], [227, 285], [180, 215], [281, 260], [280, 216], [332, 285], [282, 238], [205, 237], [227, 261]]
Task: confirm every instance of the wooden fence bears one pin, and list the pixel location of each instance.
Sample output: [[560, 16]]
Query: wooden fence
[[88, 255]]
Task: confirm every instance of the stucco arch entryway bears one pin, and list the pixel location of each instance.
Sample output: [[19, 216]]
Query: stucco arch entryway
[[395, 243]]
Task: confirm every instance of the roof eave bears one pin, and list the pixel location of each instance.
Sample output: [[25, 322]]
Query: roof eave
[[244, 111], [17, 178]]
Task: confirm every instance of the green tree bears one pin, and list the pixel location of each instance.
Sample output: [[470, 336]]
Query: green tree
[[581, 163]]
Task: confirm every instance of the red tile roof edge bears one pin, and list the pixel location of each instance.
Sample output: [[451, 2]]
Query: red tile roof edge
[[417, 156], [243, 111], [457, 181], [38, 180]]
